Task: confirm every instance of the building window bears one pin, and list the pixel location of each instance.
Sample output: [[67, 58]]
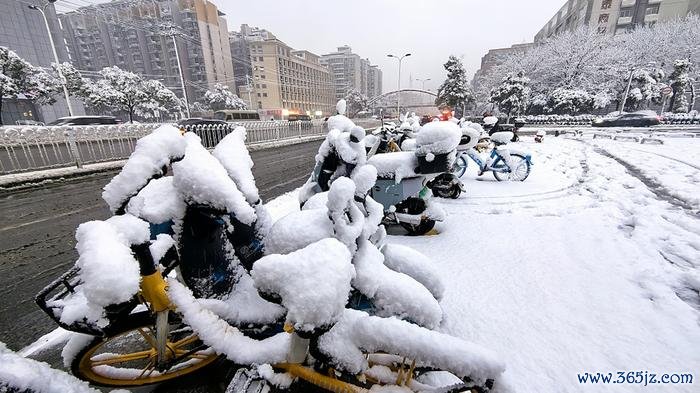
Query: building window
[[264, 86], [602, 30], [607, 4], [625, 13], [652, 9], [603, 18], [264, 94]]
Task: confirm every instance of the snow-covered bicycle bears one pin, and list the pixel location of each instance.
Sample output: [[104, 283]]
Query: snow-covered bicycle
[[288, 317], [504, 162]]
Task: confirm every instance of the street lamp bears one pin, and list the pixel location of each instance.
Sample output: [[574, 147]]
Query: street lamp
[[629, 83], [55, 55], [398, 99], [423, 80]]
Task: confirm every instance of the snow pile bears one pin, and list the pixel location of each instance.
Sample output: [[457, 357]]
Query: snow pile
[[393, 293], [340, 122], [222, 337], [413, 263], [357, 333], [234, 156], [364, 178], [438, 138], [20, 374], [313, 283], [348, 220], [160, 246], [296, 231], [152, 153], [395, 166], [203, 180], [158, 202], [108, 271]]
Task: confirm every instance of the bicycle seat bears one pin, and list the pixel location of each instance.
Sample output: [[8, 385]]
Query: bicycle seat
[[502, 137]]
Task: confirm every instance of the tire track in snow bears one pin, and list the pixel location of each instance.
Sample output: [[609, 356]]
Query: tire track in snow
[[655, 187]]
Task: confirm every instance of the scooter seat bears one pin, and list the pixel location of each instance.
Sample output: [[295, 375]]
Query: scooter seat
[[502, 137]]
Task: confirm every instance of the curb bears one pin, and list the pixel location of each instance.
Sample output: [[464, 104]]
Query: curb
[[26, 180]]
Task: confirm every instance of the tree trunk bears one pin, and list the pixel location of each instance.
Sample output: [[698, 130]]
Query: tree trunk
[[1, 108], [692, 97], [131, 114]]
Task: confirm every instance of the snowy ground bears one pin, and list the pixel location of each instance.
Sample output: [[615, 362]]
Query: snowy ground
[[584, 267]]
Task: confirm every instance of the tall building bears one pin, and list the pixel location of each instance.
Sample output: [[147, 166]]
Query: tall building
[[374, 81], [288, 81], [349, 71], [495, 56], [240, 53], [614, 16], [135, 35], [24, 32]]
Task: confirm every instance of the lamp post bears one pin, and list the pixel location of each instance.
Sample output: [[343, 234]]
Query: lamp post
[[172, 33], [398, 99], [55, 54], [423, 81]]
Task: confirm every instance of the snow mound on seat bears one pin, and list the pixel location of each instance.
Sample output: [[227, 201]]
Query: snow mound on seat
[[203, 180], [152, 153], [298, 230], [357, 333], [395, 166], [30, 375], [415, 264], [438, 138], [347, 219], [222, 337], [313, 283], [393, 293], [158, 202], [234, 156]]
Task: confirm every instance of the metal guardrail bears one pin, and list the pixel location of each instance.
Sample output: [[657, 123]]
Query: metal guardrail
[[30, 148]]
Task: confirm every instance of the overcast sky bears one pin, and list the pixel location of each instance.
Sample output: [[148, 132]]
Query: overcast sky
[[429, 30]]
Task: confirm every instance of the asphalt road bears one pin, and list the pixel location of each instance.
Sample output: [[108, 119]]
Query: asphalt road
[[37, 228]]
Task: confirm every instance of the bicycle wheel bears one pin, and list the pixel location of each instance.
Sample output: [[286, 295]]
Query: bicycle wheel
[[460, 166], [127, 355], [519, 172]]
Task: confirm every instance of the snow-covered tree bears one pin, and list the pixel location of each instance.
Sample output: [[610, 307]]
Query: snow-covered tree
[[357, 102], [680, 80], [646, 89], [75, 82], [18, 76], [158, 100], [119, 90], [512, 94], [570, 101], [455, 91], [222, 98]]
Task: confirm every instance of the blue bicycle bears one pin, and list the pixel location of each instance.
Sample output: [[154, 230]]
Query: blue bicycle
[[517, 168]]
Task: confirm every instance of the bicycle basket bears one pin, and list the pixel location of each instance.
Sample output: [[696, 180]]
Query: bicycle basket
[[50, 299]]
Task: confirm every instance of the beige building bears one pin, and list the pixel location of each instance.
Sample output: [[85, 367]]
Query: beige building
[[614, 16], [494, 57], [130, 34], [288, 81]]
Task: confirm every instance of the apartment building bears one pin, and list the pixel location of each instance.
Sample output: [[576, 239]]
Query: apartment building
[[350, 72], [24, 32], [289, 81], [137, 35], [614, 16], [374, 81], [495, 56], [239, 42]]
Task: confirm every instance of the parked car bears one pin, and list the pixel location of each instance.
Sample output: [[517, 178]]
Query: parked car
[[635, 119], [84, 121]]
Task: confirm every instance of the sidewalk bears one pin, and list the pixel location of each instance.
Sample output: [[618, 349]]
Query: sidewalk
[[18, 181]]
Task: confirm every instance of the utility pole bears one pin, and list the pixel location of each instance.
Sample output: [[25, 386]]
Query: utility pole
[[627, 91], [398, 98], [249, 88], [182, 77], [55, 54]]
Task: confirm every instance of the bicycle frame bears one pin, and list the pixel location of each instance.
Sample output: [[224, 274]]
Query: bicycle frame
[[495, 165]]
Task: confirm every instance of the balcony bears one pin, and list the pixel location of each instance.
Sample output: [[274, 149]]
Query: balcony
[[628, 3], [654, 2], [651, 18], [624, 20]]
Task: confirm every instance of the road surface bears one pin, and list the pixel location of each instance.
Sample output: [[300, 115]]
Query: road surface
[[37, 229]]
